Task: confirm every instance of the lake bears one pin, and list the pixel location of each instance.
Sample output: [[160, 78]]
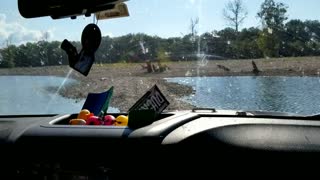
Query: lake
[[30, 95], [283, 94]]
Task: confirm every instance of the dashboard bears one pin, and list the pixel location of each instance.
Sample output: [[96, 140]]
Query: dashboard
[[181, 144]]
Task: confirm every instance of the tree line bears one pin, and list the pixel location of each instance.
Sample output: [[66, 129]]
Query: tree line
[[277, 37]]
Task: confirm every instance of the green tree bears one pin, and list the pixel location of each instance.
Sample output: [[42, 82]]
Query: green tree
[[247, 44], [103, 54], [225, 43], [176, 48], [313, 30], [273, 16], [295, 39], [162, 55], [8, 56]]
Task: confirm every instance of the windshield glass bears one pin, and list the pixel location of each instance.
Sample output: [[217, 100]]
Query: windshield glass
[[228, 54]]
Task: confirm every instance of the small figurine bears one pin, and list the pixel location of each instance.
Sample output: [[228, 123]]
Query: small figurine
[[84, 114], [121, 121]]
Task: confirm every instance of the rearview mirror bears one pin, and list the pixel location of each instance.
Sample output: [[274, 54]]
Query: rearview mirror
[[64, 8]]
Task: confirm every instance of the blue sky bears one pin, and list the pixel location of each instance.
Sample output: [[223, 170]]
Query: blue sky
[[164, 18]]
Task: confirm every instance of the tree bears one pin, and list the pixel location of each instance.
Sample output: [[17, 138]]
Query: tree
[[193, 26], [295, 39], [235, 13], [226, 43], [273, 16], [8, 56], [247, 45], [194, 34], [313, 29]]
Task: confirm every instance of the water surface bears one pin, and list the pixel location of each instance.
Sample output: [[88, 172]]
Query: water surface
[[30, 95], [283, 94]]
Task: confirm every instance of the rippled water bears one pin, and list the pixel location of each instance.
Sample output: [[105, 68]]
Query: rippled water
[[283, 94], [30, 95]]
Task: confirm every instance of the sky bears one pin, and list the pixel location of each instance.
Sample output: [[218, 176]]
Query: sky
[[164, 18]]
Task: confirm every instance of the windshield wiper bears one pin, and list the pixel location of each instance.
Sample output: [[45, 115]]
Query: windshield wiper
[[314, 116], [266, 113], [213, 111]]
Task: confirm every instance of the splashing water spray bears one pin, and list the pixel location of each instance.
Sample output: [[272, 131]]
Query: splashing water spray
[[56, 94]]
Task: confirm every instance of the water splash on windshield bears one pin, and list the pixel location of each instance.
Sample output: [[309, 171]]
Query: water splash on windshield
[[54, 96], [144, 51], [201, 58], [64, 81]]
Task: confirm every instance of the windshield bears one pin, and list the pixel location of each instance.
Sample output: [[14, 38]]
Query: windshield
[[228, 54]]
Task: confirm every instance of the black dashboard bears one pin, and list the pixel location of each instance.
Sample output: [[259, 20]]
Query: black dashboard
[[181, 144]]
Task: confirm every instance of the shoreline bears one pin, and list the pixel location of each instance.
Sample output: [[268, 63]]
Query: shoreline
[[130, 81]]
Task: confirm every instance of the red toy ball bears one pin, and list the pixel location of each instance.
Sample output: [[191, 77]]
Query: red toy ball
[[109, 120], [93, 120]]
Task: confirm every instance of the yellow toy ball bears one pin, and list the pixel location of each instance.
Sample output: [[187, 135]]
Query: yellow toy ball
[[84, 113], [121, 121]]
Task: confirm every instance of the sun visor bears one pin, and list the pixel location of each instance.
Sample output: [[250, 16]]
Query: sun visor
[[64, 8]]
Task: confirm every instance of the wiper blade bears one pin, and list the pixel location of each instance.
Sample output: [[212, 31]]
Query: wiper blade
[[245, 113], [282, 115], [314, 116], [267, 113]]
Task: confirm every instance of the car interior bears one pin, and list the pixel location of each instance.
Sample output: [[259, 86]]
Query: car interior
[[201, 143], [198, 143]]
